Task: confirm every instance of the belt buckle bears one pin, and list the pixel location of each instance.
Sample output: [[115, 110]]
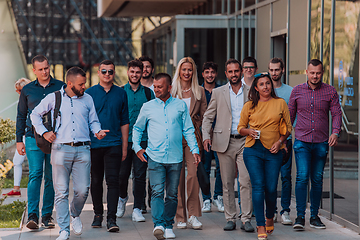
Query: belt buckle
[[72, 144]]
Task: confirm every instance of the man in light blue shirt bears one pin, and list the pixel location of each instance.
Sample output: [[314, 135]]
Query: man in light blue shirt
[[70, 147], [276, 70], [167, 119]]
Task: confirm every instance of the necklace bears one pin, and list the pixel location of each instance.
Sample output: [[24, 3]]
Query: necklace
[[187, 90]]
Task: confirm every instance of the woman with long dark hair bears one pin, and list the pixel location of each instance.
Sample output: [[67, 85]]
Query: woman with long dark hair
[[265, 120]]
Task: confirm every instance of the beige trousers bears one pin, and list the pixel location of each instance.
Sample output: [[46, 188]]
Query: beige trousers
[[192, 204], [229, 160]]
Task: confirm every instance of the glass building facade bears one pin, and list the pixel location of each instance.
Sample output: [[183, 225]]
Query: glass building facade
[[296, 31]]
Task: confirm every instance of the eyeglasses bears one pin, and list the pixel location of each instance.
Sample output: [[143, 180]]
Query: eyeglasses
[[249, 67], [104, 71], [264, 74]]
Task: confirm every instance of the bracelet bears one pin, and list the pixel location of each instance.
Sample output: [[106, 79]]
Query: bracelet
[[280, 142]]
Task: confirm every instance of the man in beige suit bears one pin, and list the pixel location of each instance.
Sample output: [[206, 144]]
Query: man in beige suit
[[226, 104]]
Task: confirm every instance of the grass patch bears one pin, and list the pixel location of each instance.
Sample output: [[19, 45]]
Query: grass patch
[[9, 182], [10, 214]]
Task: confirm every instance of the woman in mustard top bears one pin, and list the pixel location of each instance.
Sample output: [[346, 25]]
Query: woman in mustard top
[[265, 120]]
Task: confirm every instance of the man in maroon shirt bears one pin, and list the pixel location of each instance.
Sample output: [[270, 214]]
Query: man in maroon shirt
[[311, 102]]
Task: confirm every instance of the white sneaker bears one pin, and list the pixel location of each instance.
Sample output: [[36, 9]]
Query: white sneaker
[[121, 206], [159, 232], [194, 223], [169, 234], [76, 225], [285, 217], [207, 206], [219, 203], [275, 217], [137, 215], [64, 235], [181, 225]]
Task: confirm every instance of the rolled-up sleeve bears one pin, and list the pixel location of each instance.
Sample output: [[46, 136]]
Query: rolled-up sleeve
[[46, 105], [94, 122]]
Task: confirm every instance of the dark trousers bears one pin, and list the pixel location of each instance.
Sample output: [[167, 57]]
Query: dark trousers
[[108, 160], [139, 183]]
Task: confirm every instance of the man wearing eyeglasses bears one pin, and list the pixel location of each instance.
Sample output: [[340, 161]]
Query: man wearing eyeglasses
[[137, 95], [249, 65], [111, 105]]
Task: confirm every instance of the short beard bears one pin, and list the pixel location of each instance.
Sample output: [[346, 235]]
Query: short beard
[[134, 82], [77, 92], [147, 77]]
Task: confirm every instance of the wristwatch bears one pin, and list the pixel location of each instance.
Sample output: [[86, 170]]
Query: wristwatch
[[337, 135]]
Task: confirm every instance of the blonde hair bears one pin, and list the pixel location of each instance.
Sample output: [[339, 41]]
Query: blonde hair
[[19, 84], [176, 90]]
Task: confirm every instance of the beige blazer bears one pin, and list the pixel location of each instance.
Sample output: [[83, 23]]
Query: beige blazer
[[220, 107]]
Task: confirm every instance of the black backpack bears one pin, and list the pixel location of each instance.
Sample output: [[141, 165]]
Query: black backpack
[[50, 125]]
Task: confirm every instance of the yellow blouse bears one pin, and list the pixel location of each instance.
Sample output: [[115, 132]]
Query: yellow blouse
[[266, 118]]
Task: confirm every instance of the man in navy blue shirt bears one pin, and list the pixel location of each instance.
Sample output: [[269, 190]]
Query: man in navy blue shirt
[[106, 155], [209, 73], [137, 95], [30, 97]]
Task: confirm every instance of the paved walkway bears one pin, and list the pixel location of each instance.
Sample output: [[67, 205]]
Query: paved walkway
[[213, 224]]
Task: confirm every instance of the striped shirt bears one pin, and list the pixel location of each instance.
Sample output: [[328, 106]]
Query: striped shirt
[[311, 107]]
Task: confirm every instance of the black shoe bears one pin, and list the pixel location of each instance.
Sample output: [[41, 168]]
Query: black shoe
[[97, 221], [47, 221], [299, 224], [230, 225], [33, 221], [247, 227], [315, 222], [111, 225]]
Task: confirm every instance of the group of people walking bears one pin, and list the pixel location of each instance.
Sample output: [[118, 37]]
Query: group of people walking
[[161, 124]]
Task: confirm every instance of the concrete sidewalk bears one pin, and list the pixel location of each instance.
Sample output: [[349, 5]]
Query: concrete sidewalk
[[213, 224]]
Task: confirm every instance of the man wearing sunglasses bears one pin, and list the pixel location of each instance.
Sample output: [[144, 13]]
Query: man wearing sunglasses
[[276, 70], [111, 106], [249, 65], [137, 95]]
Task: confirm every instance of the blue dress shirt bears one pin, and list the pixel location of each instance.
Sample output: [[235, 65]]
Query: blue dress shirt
[[78, 114], [112, 110], [166, 124]]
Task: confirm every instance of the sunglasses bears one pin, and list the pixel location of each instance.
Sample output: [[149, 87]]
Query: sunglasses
[[264, 74], [110, 71]]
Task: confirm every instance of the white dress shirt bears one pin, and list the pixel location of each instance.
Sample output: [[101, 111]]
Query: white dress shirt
[[237, 103]]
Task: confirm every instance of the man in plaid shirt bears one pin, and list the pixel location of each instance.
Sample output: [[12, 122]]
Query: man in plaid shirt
[[311, 102]]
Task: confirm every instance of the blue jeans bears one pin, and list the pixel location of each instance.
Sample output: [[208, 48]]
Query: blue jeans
[[37, 167], [285, 172], [207, 158], [164, 176], [263, 168], [76, 161], [310, 161]]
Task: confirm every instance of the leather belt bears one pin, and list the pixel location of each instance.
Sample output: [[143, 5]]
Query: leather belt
[[77, 144], [236, 136]]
